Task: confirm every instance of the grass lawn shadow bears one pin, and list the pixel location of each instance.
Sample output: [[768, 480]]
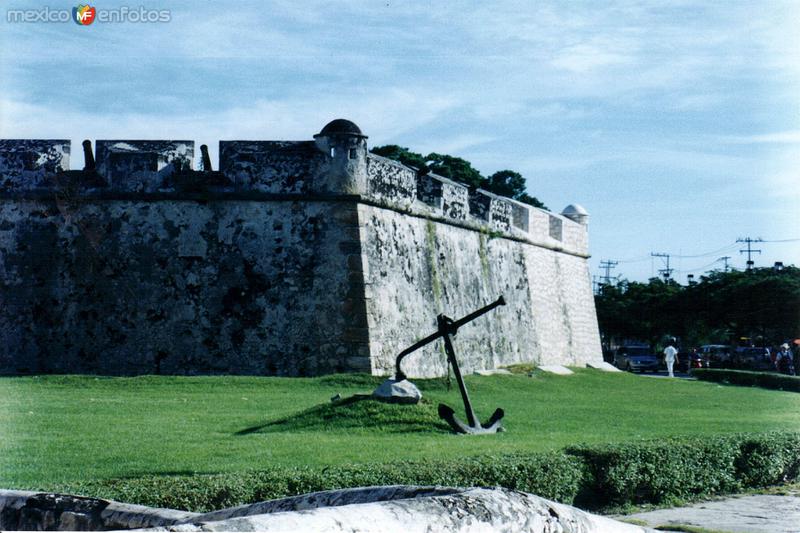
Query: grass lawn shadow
[[360, 411]]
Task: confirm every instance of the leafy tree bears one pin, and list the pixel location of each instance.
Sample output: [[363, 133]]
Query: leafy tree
[[504, 182], [720, 308], [402, 154], [455, 168], [525, 198], [512, 184]]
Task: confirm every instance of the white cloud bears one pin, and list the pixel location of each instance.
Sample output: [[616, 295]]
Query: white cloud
[[781, 183], [291, 118], [698, 102], [583, 58], [780, 137], [454, 144]]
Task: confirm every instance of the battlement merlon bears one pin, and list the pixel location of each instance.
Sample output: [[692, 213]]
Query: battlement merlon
[[336, 163]]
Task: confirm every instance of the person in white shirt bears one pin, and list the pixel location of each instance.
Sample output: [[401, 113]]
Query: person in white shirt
[[670, 357]]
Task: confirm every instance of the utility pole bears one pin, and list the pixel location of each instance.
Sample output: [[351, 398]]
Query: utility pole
[[666, 272], [597, 284], [725, 259], [749, 250], [607, 266]]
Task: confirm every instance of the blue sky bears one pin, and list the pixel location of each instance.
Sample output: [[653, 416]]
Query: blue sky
[[676, 125]]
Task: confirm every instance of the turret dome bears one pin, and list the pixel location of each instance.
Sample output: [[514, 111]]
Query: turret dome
[[341, 126]]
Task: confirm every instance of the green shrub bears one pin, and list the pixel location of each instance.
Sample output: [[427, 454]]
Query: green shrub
[[768, 460], [767, 380], [685, 468], [552, 475], [657, 472], [591, 476]]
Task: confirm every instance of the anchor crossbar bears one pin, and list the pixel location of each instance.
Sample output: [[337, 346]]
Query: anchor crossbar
[[451, 329]]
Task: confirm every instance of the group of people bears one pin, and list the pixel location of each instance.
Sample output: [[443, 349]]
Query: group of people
[[784, 359]]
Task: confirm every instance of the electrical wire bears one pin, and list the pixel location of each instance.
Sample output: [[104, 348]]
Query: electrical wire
[[704, 267], [725, 248], [714, 252]]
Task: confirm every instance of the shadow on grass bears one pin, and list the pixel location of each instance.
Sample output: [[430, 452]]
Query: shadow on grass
[[358, 412]]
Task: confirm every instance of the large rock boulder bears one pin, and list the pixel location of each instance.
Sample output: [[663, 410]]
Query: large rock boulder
[[409, 510], [42, 511], [405, 509], [393, 391]]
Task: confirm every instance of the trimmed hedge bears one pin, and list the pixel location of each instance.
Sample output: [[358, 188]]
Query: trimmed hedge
[[767, 380], [553, 475], [593, 477]]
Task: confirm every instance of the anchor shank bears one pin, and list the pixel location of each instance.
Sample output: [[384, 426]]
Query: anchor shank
[[444, 328]]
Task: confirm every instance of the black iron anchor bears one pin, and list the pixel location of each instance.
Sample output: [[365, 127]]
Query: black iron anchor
[[447, 328]]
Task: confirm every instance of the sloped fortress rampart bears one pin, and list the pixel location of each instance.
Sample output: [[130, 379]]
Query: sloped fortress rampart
[[293, 258]]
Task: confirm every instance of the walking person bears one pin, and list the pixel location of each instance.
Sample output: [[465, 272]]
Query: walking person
[[670, 357]]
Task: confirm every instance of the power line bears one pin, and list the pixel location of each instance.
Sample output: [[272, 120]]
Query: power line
[[640, 259], [704, 267], [723, 249], [635, 260], [707, 254]]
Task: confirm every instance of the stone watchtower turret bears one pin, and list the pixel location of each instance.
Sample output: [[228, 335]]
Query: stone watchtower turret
[[345, 145], [576, 213]]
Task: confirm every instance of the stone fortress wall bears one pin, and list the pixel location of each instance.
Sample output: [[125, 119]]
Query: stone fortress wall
[[293, 258]]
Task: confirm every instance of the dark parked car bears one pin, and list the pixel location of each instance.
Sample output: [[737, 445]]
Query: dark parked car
[[687, 361], [752, 359], [717, 355], [636, 359]]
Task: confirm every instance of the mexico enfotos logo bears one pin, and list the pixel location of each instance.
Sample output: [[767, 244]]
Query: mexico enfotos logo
[[85, 15]]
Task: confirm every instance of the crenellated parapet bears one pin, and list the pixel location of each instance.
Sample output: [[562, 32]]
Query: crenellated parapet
[[281, 258], [142, 166], [444, 195], [336, 165], [277, 167], [27, 164]]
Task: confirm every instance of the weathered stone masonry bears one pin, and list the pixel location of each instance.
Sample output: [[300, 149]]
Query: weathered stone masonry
[[294, 258]]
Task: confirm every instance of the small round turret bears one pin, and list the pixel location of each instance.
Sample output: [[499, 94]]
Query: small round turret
[[346, 147], [576, 213]]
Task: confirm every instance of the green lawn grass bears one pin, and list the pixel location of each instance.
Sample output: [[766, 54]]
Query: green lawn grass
[[57, 430]]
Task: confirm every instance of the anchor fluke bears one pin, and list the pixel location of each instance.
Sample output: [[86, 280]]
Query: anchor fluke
[[492, 425]]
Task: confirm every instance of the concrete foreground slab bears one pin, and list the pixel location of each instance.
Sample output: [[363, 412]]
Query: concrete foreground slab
[[556, 369], [492, 372], [751, 514], [602, 365]]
